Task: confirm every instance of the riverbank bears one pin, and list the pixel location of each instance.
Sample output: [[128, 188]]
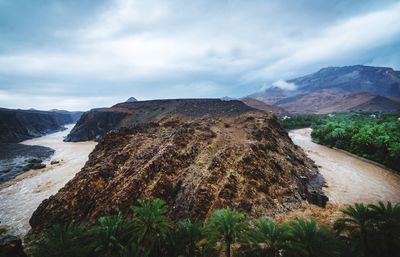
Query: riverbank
[[19, 197], [349, 179], [16, 159]]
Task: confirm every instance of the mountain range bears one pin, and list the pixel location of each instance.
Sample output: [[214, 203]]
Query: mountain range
[[337, 89]]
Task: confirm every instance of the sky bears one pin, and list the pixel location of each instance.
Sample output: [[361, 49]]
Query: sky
[[83, 54]]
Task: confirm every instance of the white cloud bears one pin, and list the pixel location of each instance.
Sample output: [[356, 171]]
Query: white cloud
[[191, 49], [284, 85], [341, 41], [41, 102]]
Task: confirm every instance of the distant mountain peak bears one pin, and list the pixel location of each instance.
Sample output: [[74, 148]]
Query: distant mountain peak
[[131, 99], [227, 98]]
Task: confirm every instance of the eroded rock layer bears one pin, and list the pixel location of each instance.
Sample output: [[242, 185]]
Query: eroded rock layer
[[94, 124], [246, 162]]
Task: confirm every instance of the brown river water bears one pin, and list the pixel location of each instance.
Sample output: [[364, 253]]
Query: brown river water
[[349, 179], [20, 197]]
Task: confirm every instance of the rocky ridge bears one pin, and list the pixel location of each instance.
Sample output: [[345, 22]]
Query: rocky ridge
[[19, 125], [94, 124], [257, 104], [245, 161]]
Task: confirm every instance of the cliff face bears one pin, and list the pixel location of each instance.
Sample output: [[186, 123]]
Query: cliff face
[[94, 124], [19, 125], [97, 122], [245, 161]]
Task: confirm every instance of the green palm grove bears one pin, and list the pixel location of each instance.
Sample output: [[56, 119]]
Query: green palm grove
[[374, 136], [365, 231]]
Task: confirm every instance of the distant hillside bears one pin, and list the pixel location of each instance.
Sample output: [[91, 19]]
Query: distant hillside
[[333, 88], [19, 125], [97, 122], [378, 103], [252, 102], [75, 116]]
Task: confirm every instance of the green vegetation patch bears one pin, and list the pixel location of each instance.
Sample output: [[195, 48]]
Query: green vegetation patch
[[375, 136], [365, 231]]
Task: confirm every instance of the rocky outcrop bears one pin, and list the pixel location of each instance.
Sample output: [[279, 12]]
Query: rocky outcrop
[[131, 99], [245, 161], [94, 124], [18, 158], [19, 125], [252, 102], [11, 246]]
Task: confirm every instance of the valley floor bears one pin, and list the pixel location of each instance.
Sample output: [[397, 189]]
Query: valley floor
[[349, 179], [20, 197]]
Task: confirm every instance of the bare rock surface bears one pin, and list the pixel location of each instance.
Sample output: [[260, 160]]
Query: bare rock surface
[[11, 246], [94, 124], [245, 161]]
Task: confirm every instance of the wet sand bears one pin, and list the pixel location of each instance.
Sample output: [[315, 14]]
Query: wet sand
[[349, 179], [20, 197]]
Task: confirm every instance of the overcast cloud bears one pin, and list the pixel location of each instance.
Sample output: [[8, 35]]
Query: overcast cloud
[[81, 54]]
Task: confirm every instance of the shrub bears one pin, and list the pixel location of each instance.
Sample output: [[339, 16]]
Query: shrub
[[67, 240]]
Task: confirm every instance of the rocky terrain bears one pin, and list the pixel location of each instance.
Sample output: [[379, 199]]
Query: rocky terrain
[[260, 105], [243, 160], [327, 101], [338, 89], [97, 122], [18, 158], [19, 125]]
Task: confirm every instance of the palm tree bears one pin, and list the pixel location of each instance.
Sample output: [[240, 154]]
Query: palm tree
[[358, 224], [110, 235], [267, 238], [226, 226], [68, 240], [152, 225], [134, 250], [187, 236], [386, 219], [310, 240]]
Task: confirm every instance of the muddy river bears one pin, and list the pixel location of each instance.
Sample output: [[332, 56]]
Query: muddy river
[[20, 197], [349, 179]]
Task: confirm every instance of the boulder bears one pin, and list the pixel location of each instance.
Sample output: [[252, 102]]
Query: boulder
[[11, 246], [34, 160]]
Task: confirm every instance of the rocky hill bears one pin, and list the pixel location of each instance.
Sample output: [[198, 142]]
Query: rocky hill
[[19, 125], [97, 122], [327, 101], [131, 99], [241, 159], [333, 88], [378, 103], [257, 104]]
